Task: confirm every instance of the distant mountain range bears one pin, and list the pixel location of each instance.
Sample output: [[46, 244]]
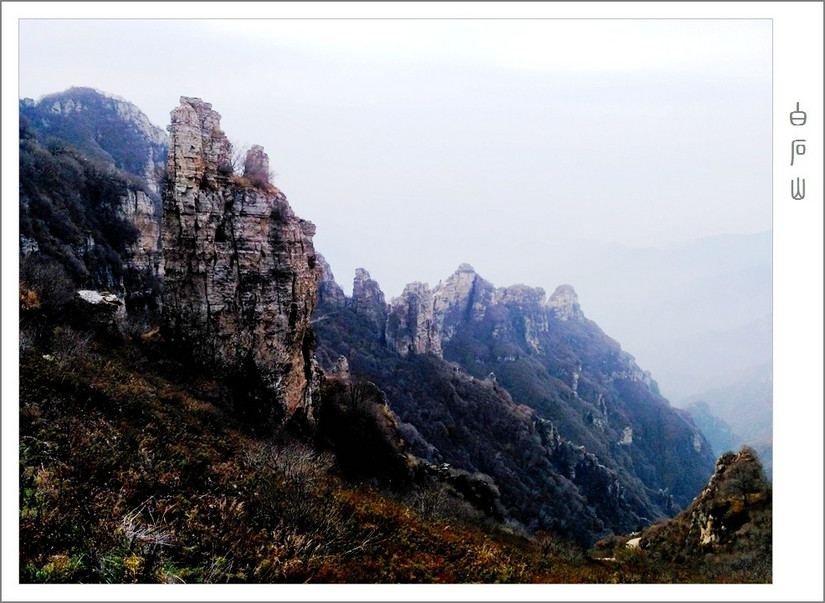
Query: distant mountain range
[[738, 414], [470, 369], [692, 312], [697, 314]]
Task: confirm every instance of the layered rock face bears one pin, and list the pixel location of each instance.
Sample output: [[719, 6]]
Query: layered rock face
[[144, 256], [464, 295], [241, 274], [411, 328], [368, 299]]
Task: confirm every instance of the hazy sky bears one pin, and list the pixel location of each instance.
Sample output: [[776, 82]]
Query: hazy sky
[[415, 145]]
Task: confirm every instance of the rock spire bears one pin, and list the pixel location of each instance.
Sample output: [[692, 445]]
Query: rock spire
[[241, 275]]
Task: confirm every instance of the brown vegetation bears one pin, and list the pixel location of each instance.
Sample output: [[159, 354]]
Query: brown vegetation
[[128, 476]]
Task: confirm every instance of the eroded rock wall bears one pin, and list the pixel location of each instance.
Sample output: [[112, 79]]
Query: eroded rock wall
[[240, 270]]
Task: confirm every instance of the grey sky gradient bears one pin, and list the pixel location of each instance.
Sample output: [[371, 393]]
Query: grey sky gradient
[[415, 145]]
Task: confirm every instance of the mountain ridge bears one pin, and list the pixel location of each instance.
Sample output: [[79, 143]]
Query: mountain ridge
[[513, 399], [437, 330]]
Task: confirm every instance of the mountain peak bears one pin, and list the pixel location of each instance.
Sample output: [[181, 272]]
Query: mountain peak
[[367, 298], [328, 289], [565, 303], [107, 127], [228, 312], [465, 267], [732, 514]]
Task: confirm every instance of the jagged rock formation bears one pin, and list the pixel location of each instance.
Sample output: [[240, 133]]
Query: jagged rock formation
[[328, 290], [462, 295], [731, 518], [368, 299], [411, 328], [241, 274], [241, 280], [469, 349], [565, 303], [510, 330]]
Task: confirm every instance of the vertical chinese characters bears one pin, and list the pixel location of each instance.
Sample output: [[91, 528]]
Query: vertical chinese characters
[[798, 118]]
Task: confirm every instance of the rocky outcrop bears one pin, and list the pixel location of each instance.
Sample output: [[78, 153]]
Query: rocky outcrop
[[721, 508], [528, 302], [411, 328], [99, 310], [462, 296], [565, 303], [421, 319], [367, 299], [731, 516], [329, 291], [241, 275], [143, 259]]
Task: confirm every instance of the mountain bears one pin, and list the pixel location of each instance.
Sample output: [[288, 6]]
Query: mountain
[[103, 127], [521, 388], [200, 401], [89, 201], [692, 312]]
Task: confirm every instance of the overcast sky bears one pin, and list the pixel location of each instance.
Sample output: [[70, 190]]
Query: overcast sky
[[416, 145]]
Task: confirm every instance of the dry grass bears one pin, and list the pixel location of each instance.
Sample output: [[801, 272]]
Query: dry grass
[[127, 476]]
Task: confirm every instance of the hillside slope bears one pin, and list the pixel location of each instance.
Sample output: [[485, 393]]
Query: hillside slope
[[494, 381], [728, 524]]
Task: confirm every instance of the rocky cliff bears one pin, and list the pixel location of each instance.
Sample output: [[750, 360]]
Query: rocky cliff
[[329, 291], [550, 357], [368, 299], [730, 519], [241, 274], [412, 328]]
